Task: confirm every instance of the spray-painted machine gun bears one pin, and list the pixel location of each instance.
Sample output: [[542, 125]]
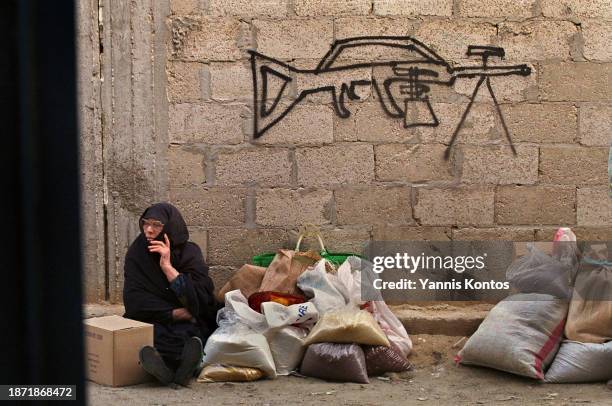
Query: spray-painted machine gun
[[402, 83]]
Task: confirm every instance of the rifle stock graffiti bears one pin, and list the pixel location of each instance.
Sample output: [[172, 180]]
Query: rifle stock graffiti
[[399, 84]]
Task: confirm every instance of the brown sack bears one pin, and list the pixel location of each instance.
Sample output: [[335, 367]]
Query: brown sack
[[284, 270], [589, 319], [248, 279]]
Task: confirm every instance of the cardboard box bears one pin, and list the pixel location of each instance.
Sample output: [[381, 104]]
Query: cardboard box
[[112, 345]]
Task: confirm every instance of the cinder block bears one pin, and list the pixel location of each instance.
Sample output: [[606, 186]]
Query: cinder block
[[253, 166], [209, 38], [231, 81], [541, 123], [318, 8], [199, 235], [594, 206], [185, 7], [294, 38], [568, 165], [507, 88], [597, 39], [221, 274], [536, 205], [494, 233], [412, 163], [536, 40], [207, 207], [236, 246], [414, 7], [577, 8], [346, 27], [373, 205], [287, 208], [305, 82], [249, 8], [410, 233], [512, 9], [455, 206], [596, 124], [209, 123], [335, 164], [586, 233], [304, 125], [368, 122], [350, 239], [450, 38], [184, 82], [185, 166], [498, 165], [576, 81], [479, 127]]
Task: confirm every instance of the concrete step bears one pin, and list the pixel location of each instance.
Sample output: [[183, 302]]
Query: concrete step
[[450, 319]]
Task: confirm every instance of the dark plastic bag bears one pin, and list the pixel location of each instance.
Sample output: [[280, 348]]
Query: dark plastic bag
[[380, 359], [335, 362], [537, 272]]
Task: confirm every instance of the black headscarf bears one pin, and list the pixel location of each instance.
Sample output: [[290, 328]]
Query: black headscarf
[[147, 295]]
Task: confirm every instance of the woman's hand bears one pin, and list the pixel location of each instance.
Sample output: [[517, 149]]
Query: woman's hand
[[163, 249], [181, 314]]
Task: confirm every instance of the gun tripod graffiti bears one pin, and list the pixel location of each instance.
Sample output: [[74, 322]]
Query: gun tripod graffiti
[[400, 84]]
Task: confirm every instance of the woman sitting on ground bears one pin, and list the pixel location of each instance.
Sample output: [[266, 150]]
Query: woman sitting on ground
[[167, 284]]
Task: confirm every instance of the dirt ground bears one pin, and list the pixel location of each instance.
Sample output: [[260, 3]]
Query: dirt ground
[[434, 380]]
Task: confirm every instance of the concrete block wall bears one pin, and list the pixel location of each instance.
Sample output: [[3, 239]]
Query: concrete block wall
[[366, 177], [165, 90]]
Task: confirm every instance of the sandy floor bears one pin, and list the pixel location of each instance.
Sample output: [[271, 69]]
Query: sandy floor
[[435, 380]]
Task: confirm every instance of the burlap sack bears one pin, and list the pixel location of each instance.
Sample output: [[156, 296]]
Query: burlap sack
[[282, 274], [590, 312], [248, 279]]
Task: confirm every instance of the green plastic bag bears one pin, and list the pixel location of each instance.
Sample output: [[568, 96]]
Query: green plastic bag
[[336, 258]]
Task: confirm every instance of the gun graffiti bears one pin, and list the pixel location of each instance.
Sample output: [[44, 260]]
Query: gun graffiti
[[399, 84]]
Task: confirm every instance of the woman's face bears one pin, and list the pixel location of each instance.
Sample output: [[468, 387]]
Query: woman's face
[[151, 228]]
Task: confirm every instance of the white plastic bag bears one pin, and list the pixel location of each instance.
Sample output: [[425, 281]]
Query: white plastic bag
[[239, 340], [236, 344], [236, 303], [392, 327], [581, 362], [350, 274], [317, 284], [278, 315], [287, 347]]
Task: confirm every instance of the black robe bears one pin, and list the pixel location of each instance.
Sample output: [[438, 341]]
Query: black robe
[[148, 296]]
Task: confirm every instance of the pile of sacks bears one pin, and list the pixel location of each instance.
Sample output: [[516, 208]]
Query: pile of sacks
[[558, 327], [303, 317]]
